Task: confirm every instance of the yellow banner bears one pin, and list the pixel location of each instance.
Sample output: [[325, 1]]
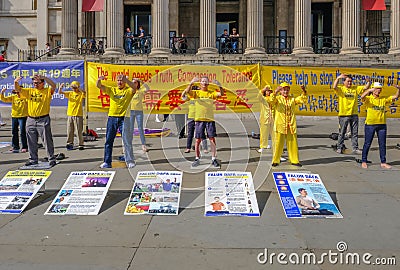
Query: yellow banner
[[322, 100], [167, 83]]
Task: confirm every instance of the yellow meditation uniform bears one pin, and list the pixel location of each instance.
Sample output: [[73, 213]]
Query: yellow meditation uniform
[[376, 109], [75, 103], [19, 105], [285, 126], [38, 101], [266, 121], [119, 100], [204, 106], [348, 99]]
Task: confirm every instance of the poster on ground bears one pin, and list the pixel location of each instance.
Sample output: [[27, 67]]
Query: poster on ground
[[18, 188], [303, 195], [83, 193], [230, 194], [155, 193]]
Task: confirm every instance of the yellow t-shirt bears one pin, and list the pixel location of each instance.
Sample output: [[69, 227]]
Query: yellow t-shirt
[[192, 109], [285, 118], [376, 109], [204, 105], [119, 100], [19, 105], [348, 99], [266, 111], [137, 100], [38, 101], [75, 99]]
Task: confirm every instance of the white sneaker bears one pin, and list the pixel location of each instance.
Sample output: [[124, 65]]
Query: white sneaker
[[268, 146], [131, 165], [105, 165], [283, 159], [260, 150], [158, 119]]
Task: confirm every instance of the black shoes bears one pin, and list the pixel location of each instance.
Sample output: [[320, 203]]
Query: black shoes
[[31, 162], [274, 164], [297, 164]]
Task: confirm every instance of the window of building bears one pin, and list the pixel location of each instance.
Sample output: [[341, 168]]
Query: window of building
[[3, 44], [32, 44], [34, 4]]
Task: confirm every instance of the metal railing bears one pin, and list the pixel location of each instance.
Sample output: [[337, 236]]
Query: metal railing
[[34, 55], [326, 44], [375, 44], [278, 45], [235, 45], [186, 45], [91, 45], [137, 45]]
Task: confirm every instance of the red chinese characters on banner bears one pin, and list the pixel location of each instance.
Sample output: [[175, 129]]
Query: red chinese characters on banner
[[105, 100], [241, 99], [174, 99], [221, 103], [152, 100]]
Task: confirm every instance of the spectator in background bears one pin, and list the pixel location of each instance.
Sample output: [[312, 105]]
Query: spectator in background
[[101, 47], [142, 37], [224, 40], [3, 56], [235, 40], [182, 41], [48, 49], [128, 41]]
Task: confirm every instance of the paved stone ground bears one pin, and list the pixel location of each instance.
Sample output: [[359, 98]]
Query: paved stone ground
[[368, 199]]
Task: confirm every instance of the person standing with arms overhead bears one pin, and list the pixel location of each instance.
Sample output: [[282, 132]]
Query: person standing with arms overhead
[[204, 115], [134, 112], [38, 122], [120, 98], [375, 121], [285, 126], [266, 119], [19, 114], [348, 110], [74, 113]]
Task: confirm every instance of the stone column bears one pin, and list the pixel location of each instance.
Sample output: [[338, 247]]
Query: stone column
[[43, 21], [69, 26], [255, 28], [351, 27], [302, 27], [395, 27], [207, 28], [115, 28], [160, 40]]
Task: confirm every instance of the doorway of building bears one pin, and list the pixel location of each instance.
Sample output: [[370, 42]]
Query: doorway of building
[[322, 40], [226, 21], [135, 16]]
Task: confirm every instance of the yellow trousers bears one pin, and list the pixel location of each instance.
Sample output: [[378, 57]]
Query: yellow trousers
[[291, 145], [266, 130]]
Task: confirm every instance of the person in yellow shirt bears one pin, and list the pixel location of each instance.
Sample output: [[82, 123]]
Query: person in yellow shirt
[[266, 119], [38, 122], [120, 98], [375, 121], [134, 112], [19, 114], [74, 113], [204, 116], [348, 110], [191, 126], [285, 126]]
